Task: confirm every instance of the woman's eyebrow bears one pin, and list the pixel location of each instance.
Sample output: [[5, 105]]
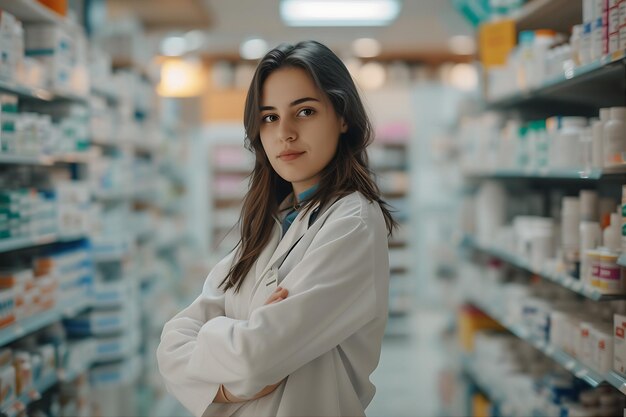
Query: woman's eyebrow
[[293, 103]]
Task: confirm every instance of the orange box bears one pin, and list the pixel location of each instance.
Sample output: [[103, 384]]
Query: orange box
[[58, 6], [472, 320]]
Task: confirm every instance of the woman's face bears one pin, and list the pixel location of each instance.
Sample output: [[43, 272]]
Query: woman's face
[[299, 127]]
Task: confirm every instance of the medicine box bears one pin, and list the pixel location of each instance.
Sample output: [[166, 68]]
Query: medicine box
[[619, 344]]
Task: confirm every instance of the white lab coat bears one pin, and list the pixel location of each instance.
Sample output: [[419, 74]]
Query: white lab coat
[[323, 341]]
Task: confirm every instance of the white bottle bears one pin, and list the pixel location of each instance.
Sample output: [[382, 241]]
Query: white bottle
[[544, 39], [614, 137], [567, 152], [575, 40], [588, 205], [570, 234], [590, 238], [598, 138], [612, 238]]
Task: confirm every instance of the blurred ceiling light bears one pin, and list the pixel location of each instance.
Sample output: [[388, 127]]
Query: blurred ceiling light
[[372, 76], [464, 77], [181, 78], [339, 12], [195, 39], [253, 49], [462, 45], [173, 46], [366, 47]]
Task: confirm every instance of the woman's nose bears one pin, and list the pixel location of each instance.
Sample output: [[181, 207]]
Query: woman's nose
[[286, 132]]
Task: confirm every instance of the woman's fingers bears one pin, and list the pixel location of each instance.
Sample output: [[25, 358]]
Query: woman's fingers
[[278, 295]]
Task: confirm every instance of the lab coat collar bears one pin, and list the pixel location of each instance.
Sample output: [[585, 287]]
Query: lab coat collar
[[297, 229]]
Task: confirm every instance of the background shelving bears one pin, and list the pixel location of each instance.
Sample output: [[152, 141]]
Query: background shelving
[[515, 98]]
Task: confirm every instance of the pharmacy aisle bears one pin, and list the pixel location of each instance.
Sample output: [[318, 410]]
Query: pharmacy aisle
[[541, 329], [93, 227]]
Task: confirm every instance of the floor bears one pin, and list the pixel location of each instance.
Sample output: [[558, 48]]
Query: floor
[[408, 373]]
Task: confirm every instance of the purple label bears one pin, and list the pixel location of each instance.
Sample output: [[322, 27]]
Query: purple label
[[612, 273]]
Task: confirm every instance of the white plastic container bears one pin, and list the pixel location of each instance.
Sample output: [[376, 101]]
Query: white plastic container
[[619, 344], [597, 153], [588, 205], [590, 238], [566, 151], [615, 137], [570, 232]]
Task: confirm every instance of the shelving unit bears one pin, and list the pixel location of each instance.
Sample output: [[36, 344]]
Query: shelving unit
[[591, 175], [561, 279], [575, 91], [573, 365], [230, 165], [580, 89], [134, 229], [390, 166]]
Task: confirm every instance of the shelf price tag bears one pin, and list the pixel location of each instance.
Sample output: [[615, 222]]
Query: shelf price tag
[[496, 40]]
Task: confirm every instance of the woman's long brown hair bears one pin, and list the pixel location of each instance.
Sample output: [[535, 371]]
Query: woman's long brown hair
[[347, 172]]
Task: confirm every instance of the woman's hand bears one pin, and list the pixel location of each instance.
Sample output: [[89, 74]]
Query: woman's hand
[[278, 295], [223, 395]]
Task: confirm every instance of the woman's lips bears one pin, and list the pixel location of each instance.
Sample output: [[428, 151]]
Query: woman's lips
[[291, 156]]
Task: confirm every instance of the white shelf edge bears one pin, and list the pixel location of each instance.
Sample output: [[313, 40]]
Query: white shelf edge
[[564, 281]]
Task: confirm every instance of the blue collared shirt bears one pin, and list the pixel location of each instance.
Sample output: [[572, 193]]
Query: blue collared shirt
[[291, 216]]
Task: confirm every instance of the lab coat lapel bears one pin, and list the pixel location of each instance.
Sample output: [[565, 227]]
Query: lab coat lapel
[[297, 229], [267, 282]]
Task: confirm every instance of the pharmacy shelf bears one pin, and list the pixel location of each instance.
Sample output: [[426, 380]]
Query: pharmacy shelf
[[113, 195], [7, 245], [111, 142], [17, 330], [35, 93], [114, 256], [617, 381], [47, 160], [535, 14], [31, 11], [569, 174], [539, 14], [492, 392], [40, 387], [470, 369], [563, 280], [573, 365], [109, 95], [591, 86]]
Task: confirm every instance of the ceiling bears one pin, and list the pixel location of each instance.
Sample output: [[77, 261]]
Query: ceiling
[[422, 29]]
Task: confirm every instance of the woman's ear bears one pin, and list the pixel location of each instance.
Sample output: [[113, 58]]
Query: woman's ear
[[344, 125]]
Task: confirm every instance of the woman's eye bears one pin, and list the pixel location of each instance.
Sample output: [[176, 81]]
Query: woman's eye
[[269, 118], [306, 112]]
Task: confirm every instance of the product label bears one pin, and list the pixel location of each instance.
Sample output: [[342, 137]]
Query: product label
[[622, 13], [622, 38], [619, 332], [613, 42], [612, 273], [496, 40], [613, 20]]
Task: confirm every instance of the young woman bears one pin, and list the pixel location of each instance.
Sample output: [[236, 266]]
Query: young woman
[[291, 322]]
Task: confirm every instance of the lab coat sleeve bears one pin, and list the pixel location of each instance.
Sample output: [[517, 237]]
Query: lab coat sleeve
[[178, 341], [331, 296]]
